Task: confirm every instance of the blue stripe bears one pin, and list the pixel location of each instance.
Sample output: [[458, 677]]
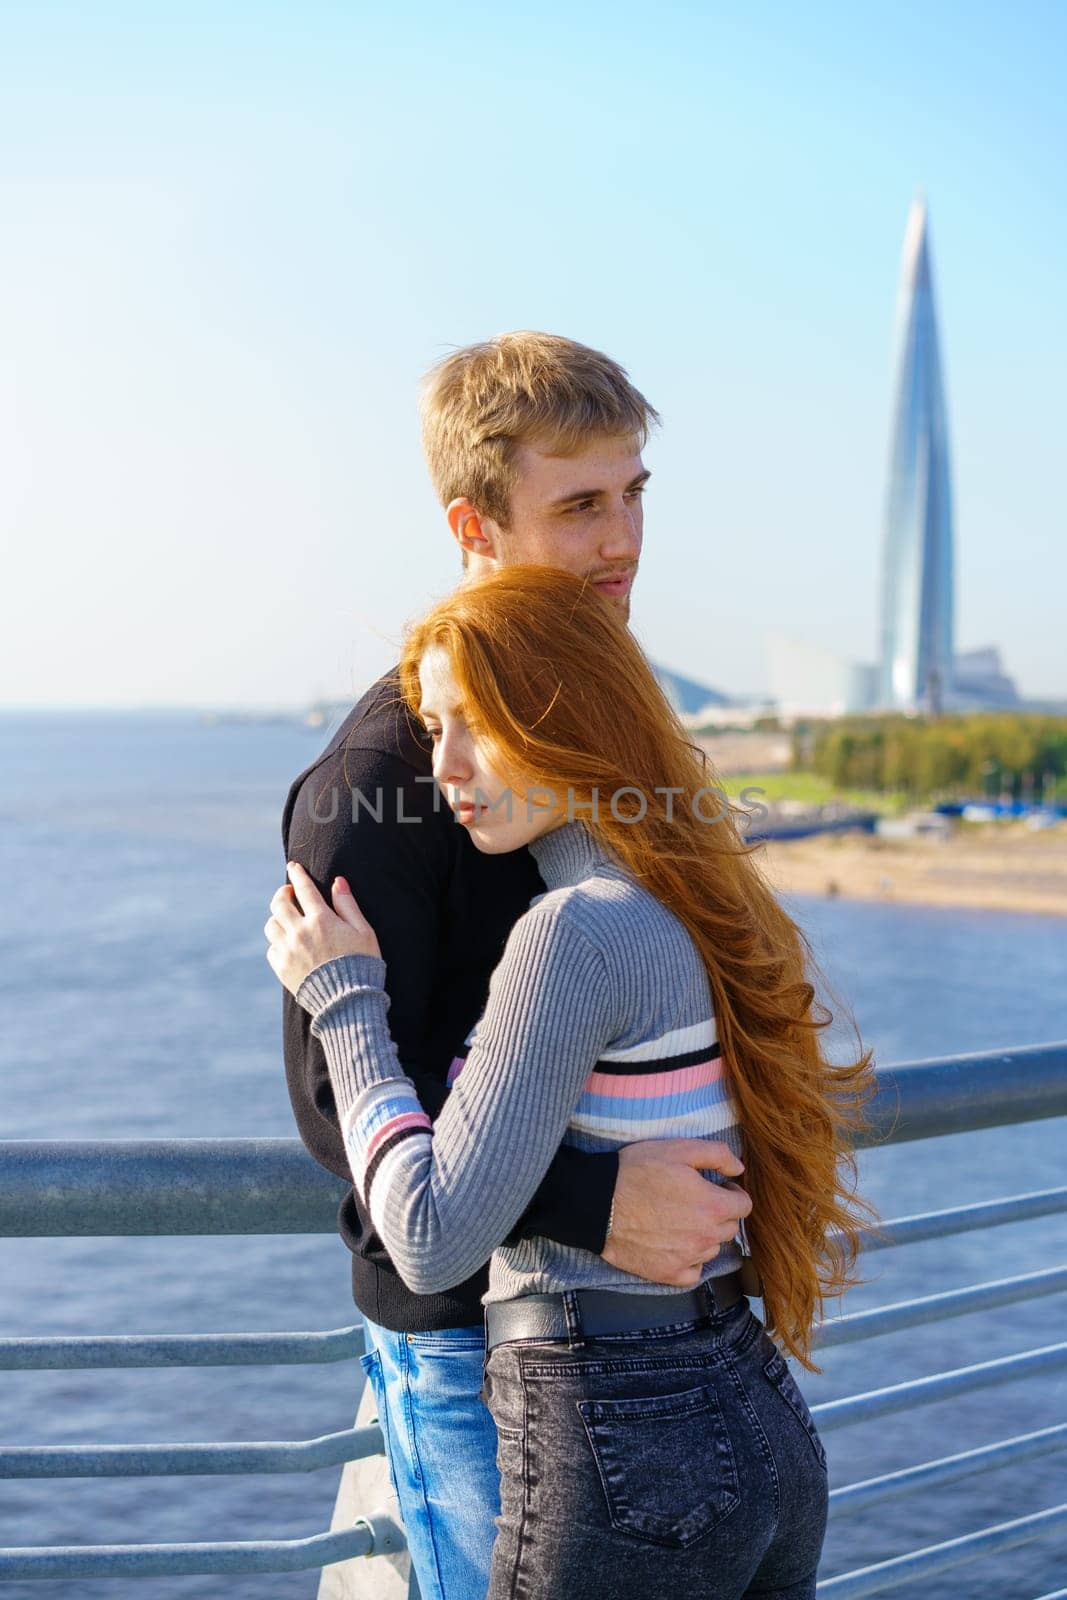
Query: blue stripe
[[644, 1108], [394, 1103]]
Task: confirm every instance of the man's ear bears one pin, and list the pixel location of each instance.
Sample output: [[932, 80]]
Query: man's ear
[[475, 534]]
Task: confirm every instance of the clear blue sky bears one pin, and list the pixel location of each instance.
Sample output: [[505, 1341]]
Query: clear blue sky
[[233, 236]]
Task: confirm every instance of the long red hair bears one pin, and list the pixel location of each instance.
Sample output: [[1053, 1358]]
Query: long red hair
[[567, 700]]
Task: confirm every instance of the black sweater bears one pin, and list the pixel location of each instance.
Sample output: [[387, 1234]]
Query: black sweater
[[368, 809]]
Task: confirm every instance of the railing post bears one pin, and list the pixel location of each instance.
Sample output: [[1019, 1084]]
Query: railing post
[[366, 1483]]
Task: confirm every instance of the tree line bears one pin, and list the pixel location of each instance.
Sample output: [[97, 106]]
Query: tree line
[[982, 755]]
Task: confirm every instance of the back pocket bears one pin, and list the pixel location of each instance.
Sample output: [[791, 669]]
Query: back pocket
[[780, 1376], [666, 1464]]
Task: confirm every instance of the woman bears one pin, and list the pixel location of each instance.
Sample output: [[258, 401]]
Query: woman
[[651, 1441]]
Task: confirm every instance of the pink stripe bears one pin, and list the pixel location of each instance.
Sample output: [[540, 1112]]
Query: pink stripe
[[648, 1085], [410, 1119], [458, 1063]]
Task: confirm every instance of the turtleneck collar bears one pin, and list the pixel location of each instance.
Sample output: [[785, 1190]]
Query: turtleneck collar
[[568, 854]]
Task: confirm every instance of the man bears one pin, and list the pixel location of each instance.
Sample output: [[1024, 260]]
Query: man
[[534, 446]]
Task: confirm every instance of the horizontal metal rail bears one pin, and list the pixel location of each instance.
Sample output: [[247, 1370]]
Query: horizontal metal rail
[[267, 1186], [76, 1351], [870, 1324], [132, 1188], [129, 1460], [831, 1414], [934, 1559], [73, 1352], [188, 1460], [965, 1219], [856, 1497], [373, 1535], [960, 1094]]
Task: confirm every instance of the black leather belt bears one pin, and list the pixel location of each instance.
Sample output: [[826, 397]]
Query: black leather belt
[[599, 1311]]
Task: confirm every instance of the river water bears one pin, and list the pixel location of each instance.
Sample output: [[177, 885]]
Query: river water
[[138, 854]]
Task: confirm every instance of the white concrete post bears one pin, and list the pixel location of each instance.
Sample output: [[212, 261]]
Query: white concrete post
[[365, 1487]]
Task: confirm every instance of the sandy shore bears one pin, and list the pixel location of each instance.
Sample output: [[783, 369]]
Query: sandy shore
[[996, 867]]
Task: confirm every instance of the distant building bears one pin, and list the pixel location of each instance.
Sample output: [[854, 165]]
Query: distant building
[[918, 669], [809, 681], [915, 667], [979, 680], [688, 697]]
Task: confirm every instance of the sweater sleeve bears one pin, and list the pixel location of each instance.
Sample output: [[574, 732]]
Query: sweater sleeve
[[397, 874], [443, 1195]]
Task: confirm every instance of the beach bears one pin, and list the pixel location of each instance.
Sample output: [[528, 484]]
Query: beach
[[990, 866]]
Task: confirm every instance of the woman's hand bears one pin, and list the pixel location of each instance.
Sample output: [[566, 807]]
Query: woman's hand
[[304, 932]]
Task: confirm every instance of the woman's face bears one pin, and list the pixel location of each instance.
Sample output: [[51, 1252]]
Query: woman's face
[[499, 815]]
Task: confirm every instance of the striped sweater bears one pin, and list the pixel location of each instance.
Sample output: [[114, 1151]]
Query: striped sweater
[[598, 1031]]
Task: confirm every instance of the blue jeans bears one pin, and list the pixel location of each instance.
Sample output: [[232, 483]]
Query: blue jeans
[[441, 1445], [677, 1461]]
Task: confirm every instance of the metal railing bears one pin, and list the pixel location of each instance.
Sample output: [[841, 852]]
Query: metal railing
[[271, 1186]]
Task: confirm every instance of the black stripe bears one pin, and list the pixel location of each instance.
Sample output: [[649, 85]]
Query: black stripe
[[690, 1058], [380, 1154]]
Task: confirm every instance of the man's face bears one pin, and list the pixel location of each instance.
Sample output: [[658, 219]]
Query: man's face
[[581, 513]]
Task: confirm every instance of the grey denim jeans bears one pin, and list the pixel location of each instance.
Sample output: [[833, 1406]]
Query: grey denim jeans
[[681, 1461]]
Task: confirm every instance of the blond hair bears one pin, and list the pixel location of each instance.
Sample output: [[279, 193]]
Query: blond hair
[[519, 388]]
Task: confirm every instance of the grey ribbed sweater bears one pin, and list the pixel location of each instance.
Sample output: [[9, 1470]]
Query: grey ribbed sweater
[[598, 1032]]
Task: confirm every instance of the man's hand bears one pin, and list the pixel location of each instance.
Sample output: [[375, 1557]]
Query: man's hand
[[667, 1220]]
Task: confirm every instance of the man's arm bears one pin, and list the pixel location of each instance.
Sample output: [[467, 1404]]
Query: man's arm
[[573, 1205], [668, 1220]]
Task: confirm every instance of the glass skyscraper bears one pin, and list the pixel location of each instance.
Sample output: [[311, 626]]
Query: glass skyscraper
[[915, 668]]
